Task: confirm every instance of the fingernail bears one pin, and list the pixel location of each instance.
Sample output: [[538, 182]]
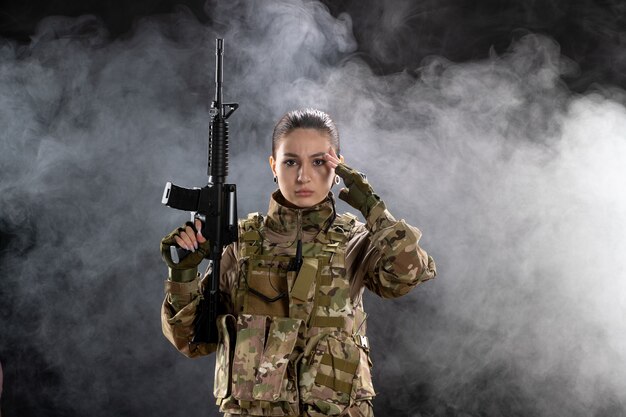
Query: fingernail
[[195, 244]]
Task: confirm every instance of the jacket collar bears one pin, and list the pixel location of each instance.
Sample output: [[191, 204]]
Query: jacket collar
[[285, 220]]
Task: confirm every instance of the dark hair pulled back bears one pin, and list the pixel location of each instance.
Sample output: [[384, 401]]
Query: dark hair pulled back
[[305, 119]]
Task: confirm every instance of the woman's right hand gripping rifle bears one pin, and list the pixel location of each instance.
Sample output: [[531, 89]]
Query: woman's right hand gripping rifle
[[190, 238]]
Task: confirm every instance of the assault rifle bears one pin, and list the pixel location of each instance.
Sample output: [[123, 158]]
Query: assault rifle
[[214, 204]]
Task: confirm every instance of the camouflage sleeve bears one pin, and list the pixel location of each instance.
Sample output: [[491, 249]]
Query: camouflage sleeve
[[181, 300], [386, 257]]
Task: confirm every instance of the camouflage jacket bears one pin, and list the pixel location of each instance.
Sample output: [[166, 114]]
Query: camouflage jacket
[[294, 341]]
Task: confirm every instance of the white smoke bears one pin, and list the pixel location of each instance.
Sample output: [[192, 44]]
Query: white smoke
[[516, 183]]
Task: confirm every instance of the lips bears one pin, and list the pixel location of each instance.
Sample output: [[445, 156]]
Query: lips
[[304, 193]]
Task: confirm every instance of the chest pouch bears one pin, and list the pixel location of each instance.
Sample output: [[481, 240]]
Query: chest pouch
[[302, 289], [267, 289], [263, 380], [330, 375]]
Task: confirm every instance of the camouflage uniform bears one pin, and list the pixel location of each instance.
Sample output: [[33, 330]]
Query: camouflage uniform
[[304, 353]]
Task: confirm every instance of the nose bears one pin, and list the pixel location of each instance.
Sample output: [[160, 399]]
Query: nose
[[303, 174]]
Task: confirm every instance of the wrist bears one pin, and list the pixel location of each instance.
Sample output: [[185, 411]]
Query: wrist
[[379, 217], [371, 200], [180, 294], [182, 275]]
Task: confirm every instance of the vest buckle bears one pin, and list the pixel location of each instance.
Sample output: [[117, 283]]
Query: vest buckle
[[362, 341]]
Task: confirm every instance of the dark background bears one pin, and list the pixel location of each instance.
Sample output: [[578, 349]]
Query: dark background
[[440, 369], [589, 32]]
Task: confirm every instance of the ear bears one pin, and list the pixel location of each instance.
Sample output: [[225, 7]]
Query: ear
[[272, 162]]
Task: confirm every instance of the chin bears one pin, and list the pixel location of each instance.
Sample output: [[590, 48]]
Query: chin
[[308, 201]]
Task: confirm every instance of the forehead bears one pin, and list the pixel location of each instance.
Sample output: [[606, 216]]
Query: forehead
[[304, 142]]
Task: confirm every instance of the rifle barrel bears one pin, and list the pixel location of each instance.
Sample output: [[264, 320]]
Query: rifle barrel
[[219, 75]]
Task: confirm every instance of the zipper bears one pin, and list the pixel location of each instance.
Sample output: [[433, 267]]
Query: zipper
[[298, 257], [299, 224]]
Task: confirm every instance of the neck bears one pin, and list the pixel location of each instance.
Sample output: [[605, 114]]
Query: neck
[[292, 221]]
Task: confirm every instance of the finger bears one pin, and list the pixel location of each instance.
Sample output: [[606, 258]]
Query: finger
[[331, 159], [329, 162], [199, 236], [185, 237], [192, 236], [332, 154], [180, 242]]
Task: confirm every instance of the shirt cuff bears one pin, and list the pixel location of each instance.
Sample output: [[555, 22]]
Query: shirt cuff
[[182, 275], [379, 218]]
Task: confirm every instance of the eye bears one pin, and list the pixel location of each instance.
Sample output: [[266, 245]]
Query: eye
[[318, 162], [290, 162]]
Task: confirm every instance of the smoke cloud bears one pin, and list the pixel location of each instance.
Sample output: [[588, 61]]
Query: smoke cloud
[[516, 183]]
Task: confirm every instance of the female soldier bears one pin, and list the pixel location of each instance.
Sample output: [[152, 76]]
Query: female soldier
[[293, 342]]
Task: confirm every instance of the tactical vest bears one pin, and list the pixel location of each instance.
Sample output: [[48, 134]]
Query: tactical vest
[[298, 343]]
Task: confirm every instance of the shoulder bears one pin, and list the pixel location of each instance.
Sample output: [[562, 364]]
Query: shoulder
[[251, 223], [348, 224], [347, 220], [249, 233]]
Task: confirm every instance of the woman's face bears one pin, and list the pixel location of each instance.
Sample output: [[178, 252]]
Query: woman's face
[[303, 176]]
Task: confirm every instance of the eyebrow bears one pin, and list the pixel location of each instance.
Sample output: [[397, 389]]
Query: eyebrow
[[315, 155]]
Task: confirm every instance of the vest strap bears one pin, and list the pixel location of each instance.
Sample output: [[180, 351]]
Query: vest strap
[[324, 300], [251, 236], [340, 364], [360, 322], [321, 321], [331, 247], [336, 236], [326, 280], [334, 383]]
